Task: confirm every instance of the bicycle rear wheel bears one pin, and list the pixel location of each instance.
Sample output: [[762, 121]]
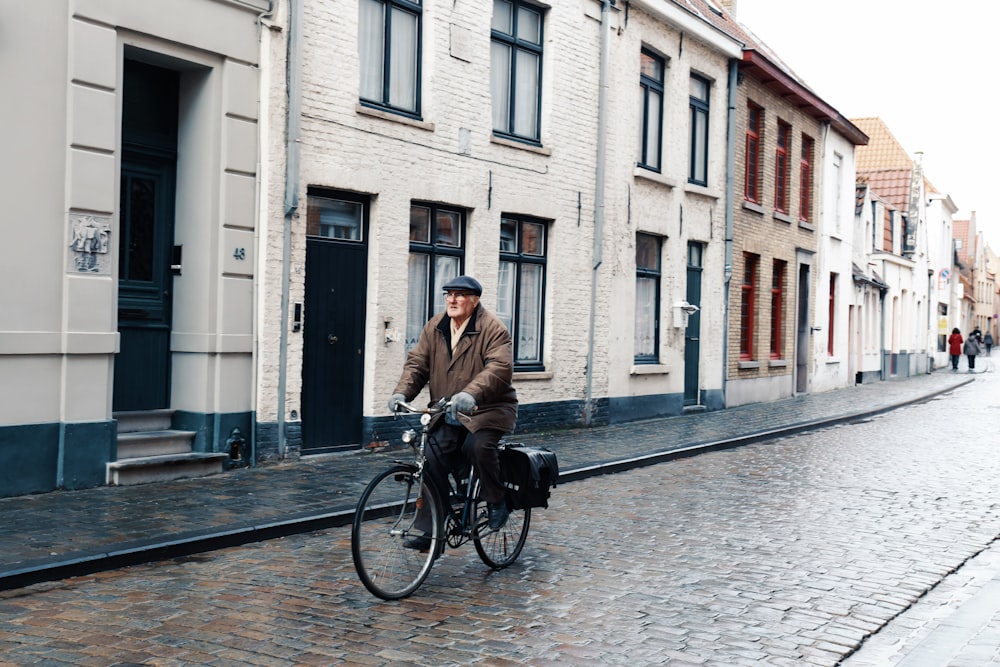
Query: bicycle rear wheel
[[499, 548], [385, 518]]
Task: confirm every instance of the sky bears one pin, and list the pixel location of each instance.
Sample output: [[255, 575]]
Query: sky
[[925, 67]]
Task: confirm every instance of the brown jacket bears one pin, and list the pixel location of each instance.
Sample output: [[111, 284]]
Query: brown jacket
[[481, 365]]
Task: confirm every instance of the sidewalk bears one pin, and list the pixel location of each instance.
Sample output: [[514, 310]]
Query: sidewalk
[[65, 533]]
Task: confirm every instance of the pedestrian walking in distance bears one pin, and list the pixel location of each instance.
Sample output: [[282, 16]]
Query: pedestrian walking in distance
[[955, 347], [464, 354], [971, 349], [988, 342]]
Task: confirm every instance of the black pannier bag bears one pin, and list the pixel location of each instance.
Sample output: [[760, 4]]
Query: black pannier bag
[[528, 473]]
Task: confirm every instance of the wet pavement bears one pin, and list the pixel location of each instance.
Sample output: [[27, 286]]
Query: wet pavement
[[62, 533], [52, 535]]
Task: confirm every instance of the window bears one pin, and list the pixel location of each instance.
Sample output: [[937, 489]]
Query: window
[[698, 171], [805, 179], [516, 69], [748, 288], [437, 255], [781, 167], [777, 307], [755, 118], [651, 131], [838, 191], [389, 47], [887, 230], [334, 218], [647, 298], [831, 314], [521, 287]]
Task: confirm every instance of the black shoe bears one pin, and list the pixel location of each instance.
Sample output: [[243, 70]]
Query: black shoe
[[418, 543], [498, 515]]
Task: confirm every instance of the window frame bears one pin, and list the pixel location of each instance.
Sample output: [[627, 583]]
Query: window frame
[[648, 86], [806, 155], [654, 273], [748, 288], [782, 173], [699, 109], [314, 210], [831, 315], [517, 44], [519, 258], [753, 162], [779, 270], [384, 102], [433, 301]]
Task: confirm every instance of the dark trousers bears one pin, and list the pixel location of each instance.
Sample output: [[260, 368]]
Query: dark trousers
[[972, 361], [954, 361], [452, 448]]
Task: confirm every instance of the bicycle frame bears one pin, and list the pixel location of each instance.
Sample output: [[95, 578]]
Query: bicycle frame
[[458, 523]]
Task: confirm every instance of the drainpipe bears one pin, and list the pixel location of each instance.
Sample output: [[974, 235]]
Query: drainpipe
[[602, 98], [293, 71], [730, 216], [259, 213]]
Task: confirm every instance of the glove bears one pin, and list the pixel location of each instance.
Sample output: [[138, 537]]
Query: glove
[[460, 402], [396, 398]]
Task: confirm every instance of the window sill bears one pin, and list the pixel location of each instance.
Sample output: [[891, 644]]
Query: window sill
[[783, 217], [833, 360], [648, 175], [701, 190], [777, 363], [527, 376], [541, 150], [753, 206], [395, 118], [748, 365], [807, 226], [649, 369]]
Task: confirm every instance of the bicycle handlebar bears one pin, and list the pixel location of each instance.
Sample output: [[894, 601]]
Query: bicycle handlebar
[[437, 408]]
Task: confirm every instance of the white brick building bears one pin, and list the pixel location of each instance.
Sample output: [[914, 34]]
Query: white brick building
[[403, 175]]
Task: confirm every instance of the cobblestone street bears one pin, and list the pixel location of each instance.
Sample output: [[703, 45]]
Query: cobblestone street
[[790, 552]]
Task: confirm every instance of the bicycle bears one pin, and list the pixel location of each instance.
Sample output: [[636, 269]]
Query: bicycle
[[387, 511]]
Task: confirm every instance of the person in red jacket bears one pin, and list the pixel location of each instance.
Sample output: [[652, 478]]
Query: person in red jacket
[[955, 347]]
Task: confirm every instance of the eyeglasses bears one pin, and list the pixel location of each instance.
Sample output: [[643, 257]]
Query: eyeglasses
[[457, 295]]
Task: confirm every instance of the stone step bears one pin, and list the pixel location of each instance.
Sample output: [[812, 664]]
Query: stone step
[[138, 444], [143, 420], [164, 468]]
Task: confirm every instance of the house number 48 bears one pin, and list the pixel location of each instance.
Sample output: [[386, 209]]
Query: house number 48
[[240, 253]]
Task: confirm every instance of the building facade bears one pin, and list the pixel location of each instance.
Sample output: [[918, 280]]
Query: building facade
[[787, 142], [482, 144], [138, 204]]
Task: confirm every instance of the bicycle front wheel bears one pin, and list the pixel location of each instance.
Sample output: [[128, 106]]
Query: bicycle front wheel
[[499, 548], [385, 518]]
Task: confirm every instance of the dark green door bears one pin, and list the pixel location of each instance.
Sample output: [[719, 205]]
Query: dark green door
[[334, 324], [692, 335], [145, 238]]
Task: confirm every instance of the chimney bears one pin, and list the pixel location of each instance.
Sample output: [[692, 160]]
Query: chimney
[[728, 5]]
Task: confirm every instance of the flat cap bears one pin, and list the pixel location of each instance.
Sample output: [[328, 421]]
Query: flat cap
[[465, 284]]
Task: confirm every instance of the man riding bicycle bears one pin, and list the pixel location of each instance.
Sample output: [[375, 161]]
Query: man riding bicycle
[[464, 353]]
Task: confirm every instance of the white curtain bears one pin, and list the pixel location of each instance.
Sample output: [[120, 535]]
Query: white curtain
[[526, 95], [652, 128], [445, 268], [505, 294], [500, 85], [529, 314], [416, 305], [371, 47], [403, 61], [645, 317]]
